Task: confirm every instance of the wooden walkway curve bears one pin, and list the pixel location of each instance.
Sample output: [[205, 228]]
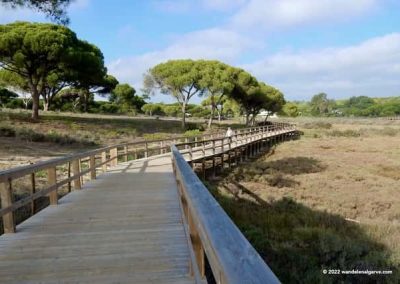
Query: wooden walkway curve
[[124, 227], [141, 221]]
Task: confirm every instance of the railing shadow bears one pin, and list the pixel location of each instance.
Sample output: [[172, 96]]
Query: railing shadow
[[294, 165], [298, 242]]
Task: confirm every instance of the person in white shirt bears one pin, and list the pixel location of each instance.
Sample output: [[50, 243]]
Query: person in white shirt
[[229, 133]]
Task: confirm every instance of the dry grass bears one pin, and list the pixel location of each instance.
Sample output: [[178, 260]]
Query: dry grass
[[23, 141], [351, 178]]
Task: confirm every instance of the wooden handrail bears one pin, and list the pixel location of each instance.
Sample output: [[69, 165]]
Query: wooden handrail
[[232, 260], [109, 157], [230, 255]]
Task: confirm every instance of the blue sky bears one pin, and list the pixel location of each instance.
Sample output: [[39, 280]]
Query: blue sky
[[341, 47]]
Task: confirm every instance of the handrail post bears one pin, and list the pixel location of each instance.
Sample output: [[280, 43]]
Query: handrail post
[[33, 190], [146, 149], [197, 246], [191, 155], [76, 173], [161, 147], [213, 158], [104, 161], [222, 154], [6, 201], [125, 153], [52, 180], [92, 165], [203, 161], [114, 157], [229, 152]]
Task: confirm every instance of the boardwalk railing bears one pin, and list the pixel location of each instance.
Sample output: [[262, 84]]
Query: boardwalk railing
[[212, 233], [70, 171]]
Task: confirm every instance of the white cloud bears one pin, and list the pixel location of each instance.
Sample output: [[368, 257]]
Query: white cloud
[[222, 5], [79, 5], [204, 44], [183, 6], [173, 6], [370, 68], [8, 15], [268, 14]]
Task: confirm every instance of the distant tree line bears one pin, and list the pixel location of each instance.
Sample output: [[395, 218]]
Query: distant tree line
[[358, 106], [216, 81], [52, 69]]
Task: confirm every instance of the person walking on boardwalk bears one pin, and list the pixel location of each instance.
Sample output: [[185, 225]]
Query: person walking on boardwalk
[[229, 133]]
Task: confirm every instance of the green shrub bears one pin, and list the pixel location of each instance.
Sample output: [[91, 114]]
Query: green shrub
[[344, 133], [388, 131], [30, 135], [155, 136], [317, 125], [192, 133], [7, 131]]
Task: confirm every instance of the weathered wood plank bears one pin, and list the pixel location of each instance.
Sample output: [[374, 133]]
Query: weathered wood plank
[[123, 226]]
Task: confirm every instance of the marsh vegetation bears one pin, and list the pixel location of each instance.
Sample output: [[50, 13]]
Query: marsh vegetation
[[327, 201]]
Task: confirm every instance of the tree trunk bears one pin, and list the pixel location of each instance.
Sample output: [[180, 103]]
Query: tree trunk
[[212, 112], [35, 101], [46, 105], [253, 120], [184, 116], [85, 102], [220, 113], [35, 106], [247, 119]]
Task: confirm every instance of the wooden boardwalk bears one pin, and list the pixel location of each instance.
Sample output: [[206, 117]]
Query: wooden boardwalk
[[124, 227], [147, 220]]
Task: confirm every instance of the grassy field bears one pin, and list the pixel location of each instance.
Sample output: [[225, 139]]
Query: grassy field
[[327, 201], [330, 200], [23, 141]]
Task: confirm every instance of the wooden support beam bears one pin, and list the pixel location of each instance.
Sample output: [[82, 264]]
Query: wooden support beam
[[51, 180], [114, 157], [76, 172], [229, 152], [103, 161], [33, 190], [186, 141], [203, 161], [92, 165], [6, 201], [80, 168], [125, 153], [69, 175], [213, 160], [222, 155], [197, 246], [146, 149]]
